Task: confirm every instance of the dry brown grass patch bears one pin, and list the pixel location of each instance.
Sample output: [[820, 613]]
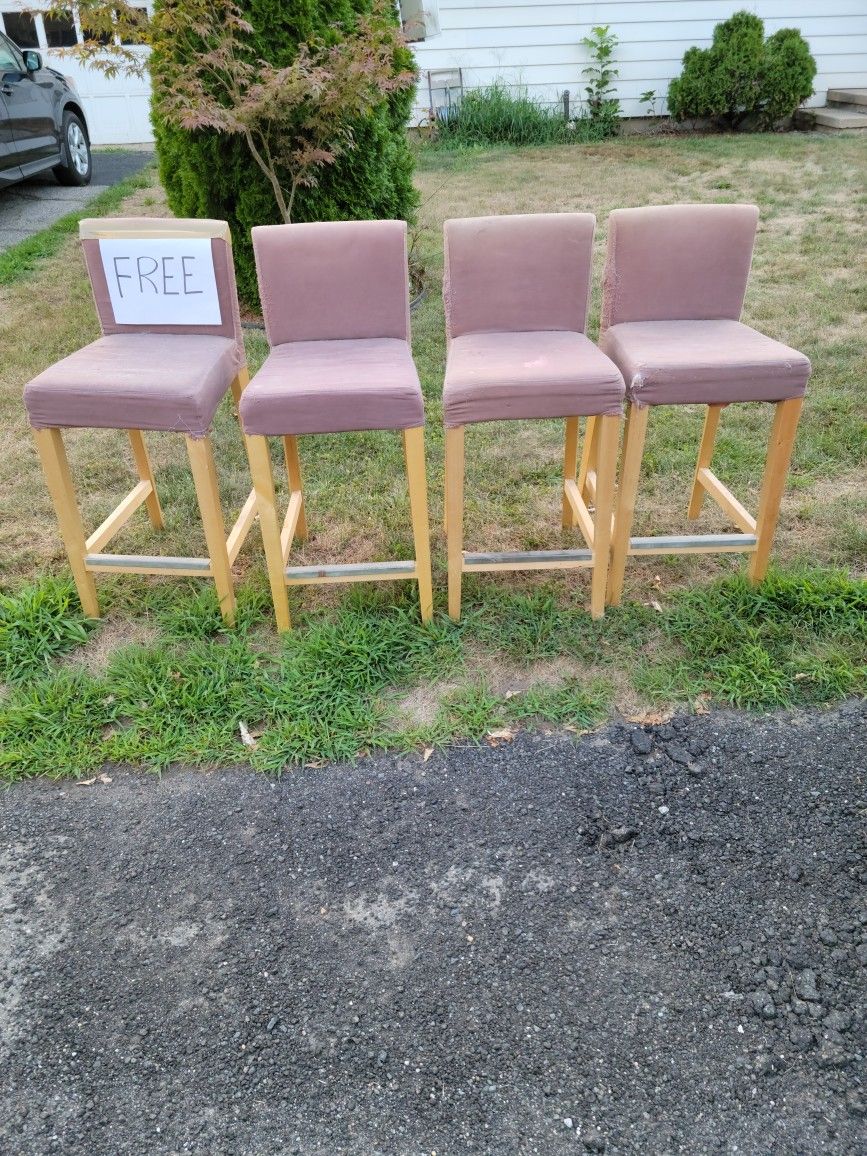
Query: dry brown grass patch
[[112, 634]]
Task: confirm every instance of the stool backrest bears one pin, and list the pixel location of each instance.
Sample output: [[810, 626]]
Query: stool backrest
[[677, 263], [518, 273], [172, 283], [333, 280]]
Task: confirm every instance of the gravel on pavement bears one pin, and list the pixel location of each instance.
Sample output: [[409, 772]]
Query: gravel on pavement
[[645, 940]]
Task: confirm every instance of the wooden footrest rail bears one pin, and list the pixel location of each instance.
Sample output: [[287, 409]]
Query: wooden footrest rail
[[527, 560], [693, 544], [725, 499], [154, 563], [349, 572], [148, 564], [241, 528], [119, 516]]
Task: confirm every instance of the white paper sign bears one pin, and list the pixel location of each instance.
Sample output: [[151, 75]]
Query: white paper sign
[[168, 281]]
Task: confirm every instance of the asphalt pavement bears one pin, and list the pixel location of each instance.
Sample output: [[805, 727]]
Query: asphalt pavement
[[649, 940], [32, 205]]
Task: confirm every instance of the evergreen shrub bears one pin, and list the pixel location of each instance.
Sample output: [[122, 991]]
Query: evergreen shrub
[[743, 75], [209, 174]]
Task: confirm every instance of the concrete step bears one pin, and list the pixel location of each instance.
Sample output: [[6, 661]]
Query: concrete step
[[831, 118], [848, 96]]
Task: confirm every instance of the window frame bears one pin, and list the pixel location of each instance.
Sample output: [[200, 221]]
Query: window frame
[[24, 13], [46, 17]]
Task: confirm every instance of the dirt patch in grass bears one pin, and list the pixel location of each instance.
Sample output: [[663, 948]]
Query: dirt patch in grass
[[112, 635], [419, 708], [506, 680]]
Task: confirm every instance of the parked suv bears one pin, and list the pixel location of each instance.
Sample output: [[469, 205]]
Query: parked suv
[[42, 123]]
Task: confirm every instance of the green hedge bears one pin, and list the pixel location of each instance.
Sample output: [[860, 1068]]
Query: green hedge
[[743, 76], [210, 175]]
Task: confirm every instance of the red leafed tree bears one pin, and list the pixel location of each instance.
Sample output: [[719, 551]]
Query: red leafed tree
[[295, 118]]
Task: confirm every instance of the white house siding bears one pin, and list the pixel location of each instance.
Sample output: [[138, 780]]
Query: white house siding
[[117, 109], [537, 45]]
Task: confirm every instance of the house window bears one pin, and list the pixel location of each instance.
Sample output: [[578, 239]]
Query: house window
[[132, 37], [92, 34], [60, 30], [419, 19], [21, 28]]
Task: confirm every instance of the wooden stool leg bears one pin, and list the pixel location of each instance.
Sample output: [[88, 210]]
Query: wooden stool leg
[[588, 457], [455, 515], [705, 453], [413, 449], [58, 478], [293, 475], [201, 455], [239, 384], [269, 524], [780, 448], [445, 491], [624, 510], [606, 471], [146, 473], [570, 468]]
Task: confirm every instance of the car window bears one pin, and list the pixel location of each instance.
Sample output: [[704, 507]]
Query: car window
[[10, 59]]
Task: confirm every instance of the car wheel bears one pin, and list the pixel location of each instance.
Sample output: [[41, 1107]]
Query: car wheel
[[77, 165]]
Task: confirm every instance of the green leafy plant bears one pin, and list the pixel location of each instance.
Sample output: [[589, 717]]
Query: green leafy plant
[[648, 99], [572, 703], [54, 726], [743, 76], [198, 616], [604, 108]]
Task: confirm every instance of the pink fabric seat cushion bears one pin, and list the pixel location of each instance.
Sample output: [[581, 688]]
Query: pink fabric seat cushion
[[308, 387], [706, 362], [136, 381], [504, 376]]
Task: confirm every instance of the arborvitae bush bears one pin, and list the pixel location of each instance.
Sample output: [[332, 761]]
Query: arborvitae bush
[[209, 174], [742, 75], [789, 71]]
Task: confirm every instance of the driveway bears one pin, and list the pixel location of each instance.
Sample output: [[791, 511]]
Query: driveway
[[640, 941], [32, 205]]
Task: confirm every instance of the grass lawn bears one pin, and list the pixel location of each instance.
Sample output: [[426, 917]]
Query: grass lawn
[[361, 671]]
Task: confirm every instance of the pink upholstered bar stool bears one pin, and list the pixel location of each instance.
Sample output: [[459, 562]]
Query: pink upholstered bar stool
[[335, 298], [145, 376], [516, 293], [675, 280]]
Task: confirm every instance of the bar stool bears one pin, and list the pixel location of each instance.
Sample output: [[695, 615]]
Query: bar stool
[[516, 294], [143, 375], [335, 298], [674, 286]]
